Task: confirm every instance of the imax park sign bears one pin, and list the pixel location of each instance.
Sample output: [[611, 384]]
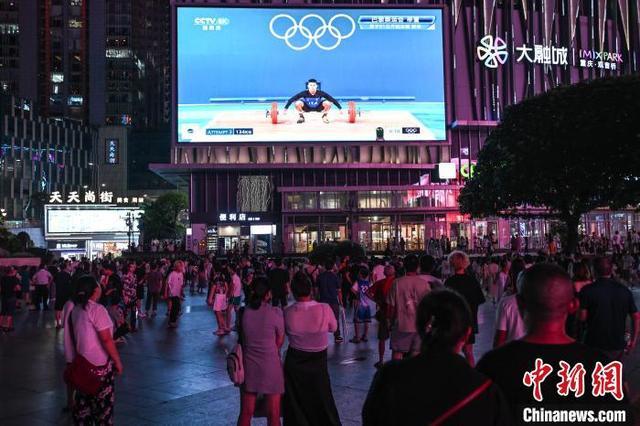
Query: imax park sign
[[493, 51]]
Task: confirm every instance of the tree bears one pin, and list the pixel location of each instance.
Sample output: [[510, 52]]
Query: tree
[[567, 151], [333, 250], [25, 241], [161, 218]]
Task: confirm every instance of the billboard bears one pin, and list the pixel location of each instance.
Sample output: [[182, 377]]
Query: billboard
[[250, 75], [88, 220]]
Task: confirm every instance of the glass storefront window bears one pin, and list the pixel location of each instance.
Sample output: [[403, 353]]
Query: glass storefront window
[[333, 200], [300, 201], [375, 200]]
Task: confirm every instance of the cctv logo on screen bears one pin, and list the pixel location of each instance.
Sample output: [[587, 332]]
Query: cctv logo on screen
[[312, 29], [211, 24]]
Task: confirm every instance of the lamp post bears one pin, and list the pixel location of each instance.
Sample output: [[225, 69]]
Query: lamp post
[[129, 222]]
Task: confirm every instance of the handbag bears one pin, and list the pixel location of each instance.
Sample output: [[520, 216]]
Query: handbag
[[235, 360], [81, 374]]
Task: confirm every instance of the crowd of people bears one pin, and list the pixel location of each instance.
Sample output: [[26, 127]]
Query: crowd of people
[[570, 309]]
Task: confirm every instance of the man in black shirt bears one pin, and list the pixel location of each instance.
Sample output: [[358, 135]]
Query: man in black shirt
[[605, 305], [64, 291], [548, 372], [328, 287], [312, 99], [278, 280]]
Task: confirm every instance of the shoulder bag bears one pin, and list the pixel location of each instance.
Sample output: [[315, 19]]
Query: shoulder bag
[[81, 374]]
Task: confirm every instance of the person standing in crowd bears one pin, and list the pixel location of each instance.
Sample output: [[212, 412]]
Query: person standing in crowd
[[42, 281], [581, 279], [502, 280], [218, 301], [129, 294], [404, 297], [154, 288], [278, 282], [377, 273], [111, 286], [175, 284], [329, 291], [141, 280], [548, 297], [25, 283], [379, 293], [235, 292], [261, 336], [308, 399], [346, 280], [437, 386], [9, 287], [604, 306], [362, 310], [88, 333], [510, 318], [427, 266], [469, 288], [64, 291]]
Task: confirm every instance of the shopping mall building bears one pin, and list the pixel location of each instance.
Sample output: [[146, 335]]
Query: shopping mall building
[[282, 195]]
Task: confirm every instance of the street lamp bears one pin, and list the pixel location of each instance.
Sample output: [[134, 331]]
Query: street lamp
[[129, 222]]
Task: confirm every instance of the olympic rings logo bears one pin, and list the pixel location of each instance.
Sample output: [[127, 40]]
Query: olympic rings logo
[[316, 35]]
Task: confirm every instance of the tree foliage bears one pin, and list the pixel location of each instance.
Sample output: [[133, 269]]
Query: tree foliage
[[568, 151], [334, 250], [161, 218], [9, 241]]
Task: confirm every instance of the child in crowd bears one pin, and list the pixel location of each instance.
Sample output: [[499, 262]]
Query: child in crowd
[[362, 312], [218, 300]]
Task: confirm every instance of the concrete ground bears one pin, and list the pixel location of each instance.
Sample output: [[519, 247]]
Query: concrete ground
[[175, 377]]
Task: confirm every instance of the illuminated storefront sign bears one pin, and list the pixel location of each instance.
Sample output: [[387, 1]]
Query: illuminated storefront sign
[[494, 51], [92, 197], [238, 217]]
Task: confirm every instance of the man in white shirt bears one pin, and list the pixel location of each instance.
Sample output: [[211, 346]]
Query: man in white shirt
[[42, 281], [175, 283]]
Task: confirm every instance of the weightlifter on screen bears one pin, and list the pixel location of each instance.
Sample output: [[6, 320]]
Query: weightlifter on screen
[[312, 99]]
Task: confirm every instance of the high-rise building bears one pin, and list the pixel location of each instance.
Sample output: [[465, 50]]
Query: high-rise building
[[39, 156], [9, 53], [100, 61]]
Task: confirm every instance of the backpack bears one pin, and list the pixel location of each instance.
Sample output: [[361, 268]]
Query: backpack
[[235, 367]]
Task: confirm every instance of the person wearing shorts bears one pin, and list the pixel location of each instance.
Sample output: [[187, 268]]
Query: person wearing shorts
[[362, 311], [312, 100], [404, 297], [379, 293]]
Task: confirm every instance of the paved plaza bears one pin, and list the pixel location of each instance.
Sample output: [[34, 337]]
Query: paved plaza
[[177, 377]]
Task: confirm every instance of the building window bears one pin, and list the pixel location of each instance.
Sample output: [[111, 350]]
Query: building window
[[332, 200]]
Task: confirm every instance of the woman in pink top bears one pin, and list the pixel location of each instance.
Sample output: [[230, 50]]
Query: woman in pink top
[[308, 399], [88, 333]]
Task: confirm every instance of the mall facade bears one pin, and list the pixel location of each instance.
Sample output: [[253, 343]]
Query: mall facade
[[283, 197]]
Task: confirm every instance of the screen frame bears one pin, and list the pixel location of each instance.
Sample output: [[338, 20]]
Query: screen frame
[[446, 66], [87, 207]]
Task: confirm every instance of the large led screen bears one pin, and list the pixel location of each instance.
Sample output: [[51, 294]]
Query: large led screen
[[78, 221], [247, 75]]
